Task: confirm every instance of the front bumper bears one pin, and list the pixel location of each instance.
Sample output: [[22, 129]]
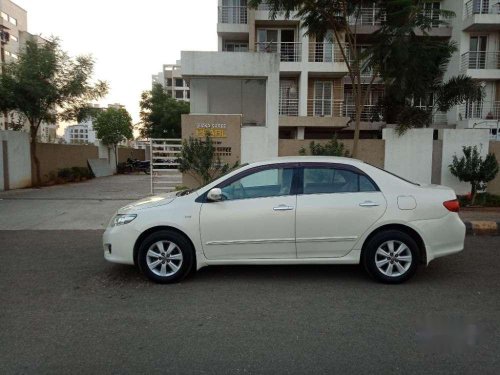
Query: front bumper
[[118, 244]]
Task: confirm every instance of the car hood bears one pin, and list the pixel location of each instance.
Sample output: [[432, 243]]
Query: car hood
[[154, 201]]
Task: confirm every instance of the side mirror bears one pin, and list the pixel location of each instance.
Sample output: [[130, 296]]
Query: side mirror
[[215, 195]]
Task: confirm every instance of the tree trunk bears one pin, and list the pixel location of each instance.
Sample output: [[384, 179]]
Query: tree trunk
[[35, 162], [473, 194]]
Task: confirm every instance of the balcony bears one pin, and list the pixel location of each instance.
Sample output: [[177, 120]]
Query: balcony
[[482, 15], [324, 108], [368, 16], [480, 111], [481, 65], [233, 15], [370, 113], [324, 52], [288, 51], [288, 107]]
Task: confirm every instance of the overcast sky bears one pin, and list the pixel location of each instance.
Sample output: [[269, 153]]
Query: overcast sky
[[129, 43]]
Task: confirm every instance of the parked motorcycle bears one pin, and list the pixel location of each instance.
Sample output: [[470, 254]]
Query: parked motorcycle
[[135, 165]]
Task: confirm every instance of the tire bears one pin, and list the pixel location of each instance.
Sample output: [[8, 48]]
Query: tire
[[174, 257], [382, 260]]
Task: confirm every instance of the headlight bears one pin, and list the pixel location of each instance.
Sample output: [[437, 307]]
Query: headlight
[[122, 219]]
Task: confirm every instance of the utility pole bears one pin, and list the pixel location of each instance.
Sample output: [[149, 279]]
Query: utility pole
[[4, 39]]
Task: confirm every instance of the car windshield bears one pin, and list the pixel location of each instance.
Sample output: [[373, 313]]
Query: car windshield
[[395, 175], [189, 191]]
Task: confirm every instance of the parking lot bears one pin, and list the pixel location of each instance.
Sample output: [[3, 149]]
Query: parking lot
[[65, 310]]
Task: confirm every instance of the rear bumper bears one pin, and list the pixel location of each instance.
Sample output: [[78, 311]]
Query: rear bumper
[[444, 236]]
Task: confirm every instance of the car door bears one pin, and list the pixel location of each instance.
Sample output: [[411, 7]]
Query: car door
[[255, 219], [335, 206]]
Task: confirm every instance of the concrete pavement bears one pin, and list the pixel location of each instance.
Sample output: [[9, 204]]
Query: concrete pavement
[[86, 205], [63, 309]]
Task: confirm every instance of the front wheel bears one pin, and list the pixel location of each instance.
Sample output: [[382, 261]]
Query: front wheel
[[391, 257], [166, 257]]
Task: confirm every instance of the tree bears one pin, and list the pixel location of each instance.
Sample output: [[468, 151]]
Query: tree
[[471, 167], [161, 114], [332, 148], [113, 126], [199, 159], [45, 85], [412, 65]]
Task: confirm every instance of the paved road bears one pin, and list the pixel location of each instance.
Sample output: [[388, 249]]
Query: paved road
[[63, 309], [85, 205]]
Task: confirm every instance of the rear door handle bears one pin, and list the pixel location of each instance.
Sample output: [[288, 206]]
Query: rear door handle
[[369, 204], [283, 207]]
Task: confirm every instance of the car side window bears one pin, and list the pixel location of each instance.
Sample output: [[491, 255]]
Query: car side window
[[335, 180], [266, 183]]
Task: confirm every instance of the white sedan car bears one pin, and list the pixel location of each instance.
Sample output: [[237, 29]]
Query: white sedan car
[[300, 210]]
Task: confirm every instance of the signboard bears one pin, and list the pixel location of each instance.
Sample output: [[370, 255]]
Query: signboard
[[211, 130]]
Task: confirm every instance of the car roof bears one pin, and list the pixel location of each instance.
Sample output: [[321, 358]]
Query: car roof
[[308, 159]]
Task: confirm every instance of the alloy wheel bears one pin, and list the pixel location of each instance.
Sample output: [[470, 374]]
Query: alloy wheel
[[393, 258], [164, 258]]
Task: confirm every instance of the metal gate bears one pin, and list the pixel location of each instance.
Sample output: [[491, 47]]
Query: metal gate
[[165, 175]]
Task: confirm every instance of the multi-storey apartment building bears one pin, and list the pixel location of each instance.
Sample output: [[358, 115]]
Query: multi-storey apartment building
[[286, 84], [14, 26], [173, 83], [476, 30]]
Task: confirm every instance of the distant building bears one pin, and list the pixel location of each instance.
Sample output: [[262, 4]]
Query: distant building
[[82, 133], [173, 83], [14, 35]]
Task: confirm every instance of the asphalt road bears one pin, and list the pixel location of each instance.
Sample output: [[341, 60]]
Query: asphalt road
[[63, 309]]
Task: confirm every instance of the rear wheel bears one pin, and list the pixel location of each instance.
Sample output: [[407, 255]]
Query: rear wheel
[[391, 256], [165, 257]]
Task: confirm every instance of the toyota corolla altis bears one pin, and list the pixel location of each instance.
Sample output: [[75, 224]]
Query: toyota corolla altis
[[300, 210]]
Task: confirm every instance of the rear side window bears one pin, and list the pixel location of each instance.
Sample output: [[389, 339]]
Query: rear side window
[[335, 180]]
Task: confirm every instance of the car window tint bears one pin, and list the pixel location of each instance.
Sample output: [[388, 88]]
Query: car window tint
[[266, 183], [366, 184], [332, 180]]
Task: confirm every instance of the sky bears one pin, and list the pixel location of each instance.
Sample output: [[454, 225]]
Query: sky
[[129, 40]]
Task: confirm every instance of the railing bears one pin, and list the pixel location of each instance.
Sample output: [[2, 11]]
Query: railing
[[480, 110], [324, 108], [324, 52], [234, 15], [481, 7], [289, 107], [367, 16], [480, 60], [371, 112], [288, 51]]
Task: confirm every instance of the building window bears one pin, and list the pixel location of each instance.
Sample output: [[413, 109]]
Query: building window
[[179, 82], [14, 38], [14, 56], [4, 16], [13, 21], [188, 95], [169, 81], [236, 47], [179, 94]]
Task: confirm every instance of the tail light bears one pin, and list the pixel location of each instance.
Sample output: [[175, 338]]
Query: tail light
[[453, 206]]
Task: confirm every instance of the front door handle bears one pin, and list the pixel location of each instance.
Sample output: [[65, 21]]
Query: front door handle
[[369, 204], [283, 207]]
